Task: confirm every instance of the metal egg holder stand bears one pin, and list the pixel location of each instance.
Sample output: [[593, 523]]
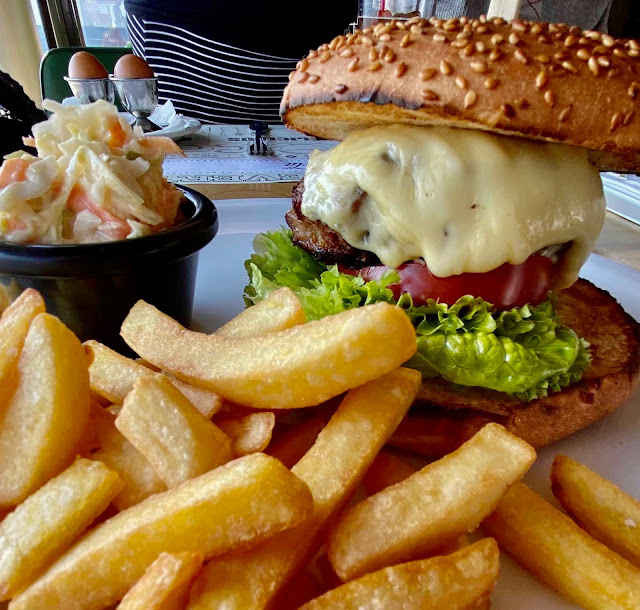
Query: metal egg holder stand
[[139, 96]]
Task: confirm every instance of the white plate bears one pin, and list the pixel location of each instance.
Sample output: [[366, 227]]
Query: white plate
[[184, 127], [611, 447]]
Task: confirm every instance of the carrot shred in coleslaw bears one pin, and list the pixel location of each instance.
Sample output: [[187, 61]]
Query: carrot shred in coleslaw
[[95, 178]]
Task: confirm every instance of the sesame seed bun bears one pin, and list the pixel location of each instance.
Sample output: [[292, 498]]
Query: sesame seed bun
[[527, 79]]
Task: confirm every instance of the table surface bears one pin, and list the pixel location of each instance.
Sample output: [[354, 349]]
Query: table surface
[[618, 241]]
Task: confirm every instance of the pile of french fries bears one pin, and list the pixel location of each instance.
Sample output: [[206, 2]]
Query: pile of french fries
[[247, 469]]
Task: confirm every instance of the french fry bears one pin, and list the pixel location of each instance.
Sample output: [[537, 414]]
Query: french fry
[[279, 311], [178, 442], [14, 325], [40, 529], [304, 587], [138, 477], [298, 367], [598, 506], [248, 434], [462, 580], [445, 499], [294, 443], [555, 550], [165, 585], [332, 468], [235, 505], [42, 427], [386, 470], [113, 375]]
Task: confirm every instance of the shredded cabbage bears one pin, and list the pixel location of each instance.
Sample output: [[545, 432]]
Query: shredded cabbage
[[94, 179]]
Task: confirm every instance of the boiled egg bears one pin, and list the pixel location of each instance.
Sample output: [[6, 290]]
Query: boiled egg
[[85, 65], [132, 66]]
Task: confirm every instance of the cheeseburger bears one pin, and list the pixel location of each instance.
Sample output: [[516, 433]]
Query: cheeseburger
[[466, 190]]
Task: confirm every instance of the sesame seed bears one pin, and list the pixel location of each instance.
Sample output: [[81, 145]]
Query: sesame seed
[[373, 53], [450, 27], [600, 49], [592, 34], [390, 56], [583, 54], [445, 67], [291, 74], [401, 68], [470, 99], [628, 117], [303, 77], [569, 41], [313, 53], [514, 39], [459, 44], [429, 95], [495, 55], [334, 43], [314, 78], [521, 57], [536, 28], [340, 89], [482, 19], [463, 35], [550, 98], [618, 52], [414, 20], [478, 66], [416, 29], [544, 59], [491, 83], [374, 66], [608, 40], [593, 65], [605, 62], [496, 39], [439, 37], [499, 21], [615, 121], [583, 40], [406, 40], [542, 79], [469, 50], [561, 55], [461, 82], [428, 74], [569, 67], [303, 64], [325, 57], [353, 64], [613, 73], [352, 38], [508, 110], [633, 44], [385, 37], [323, 47], [633, 90], [366, 41], [634, 52], [518, 25], [348, 52], [481, 29], [564, 114], [543, 40]]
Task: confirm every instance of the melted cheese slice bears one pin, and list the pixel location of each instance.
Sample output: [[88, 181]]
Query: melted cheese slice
[[463, 200]]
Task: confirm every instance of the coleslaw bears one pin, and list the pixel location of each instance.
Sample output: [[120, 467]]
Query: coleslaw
[[95, 179]]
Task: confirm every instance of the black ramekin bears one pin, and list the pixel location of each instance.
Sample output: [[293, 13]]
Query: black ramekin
[[91, 287]]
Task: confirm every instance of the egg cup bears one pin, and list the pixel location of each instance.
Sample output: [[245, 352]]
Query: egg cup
[[88, 90], [139, 96]]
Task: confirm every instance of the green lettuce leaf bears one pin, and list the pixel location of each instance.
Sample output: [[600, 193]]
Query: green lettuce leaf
[[525, 351]]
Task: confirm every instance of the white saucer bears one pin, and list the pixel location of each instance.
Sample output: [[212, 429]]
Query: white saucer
[[184, 126]]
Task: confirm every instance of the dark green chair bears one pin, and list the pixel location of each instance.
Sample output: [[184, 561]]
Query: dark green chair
[[53, 68]]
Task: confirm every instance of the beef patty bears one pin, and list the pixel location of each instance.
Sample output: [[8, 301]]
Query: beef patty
[[320, 240]]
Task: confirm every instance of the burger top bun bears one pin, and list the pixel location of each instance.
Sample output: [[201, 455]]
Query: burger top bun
[[527, 79]]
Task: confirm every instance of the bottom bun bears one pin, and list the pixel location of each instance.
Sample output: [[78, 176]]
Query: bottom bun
[[442, 417]]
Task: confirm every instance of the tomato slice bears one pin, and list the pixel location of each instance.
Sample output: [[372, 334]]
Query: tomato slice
[[506, 287]]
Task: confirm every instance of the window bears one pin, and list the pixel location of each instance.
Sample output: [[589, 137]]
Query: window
[[103, 23]]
